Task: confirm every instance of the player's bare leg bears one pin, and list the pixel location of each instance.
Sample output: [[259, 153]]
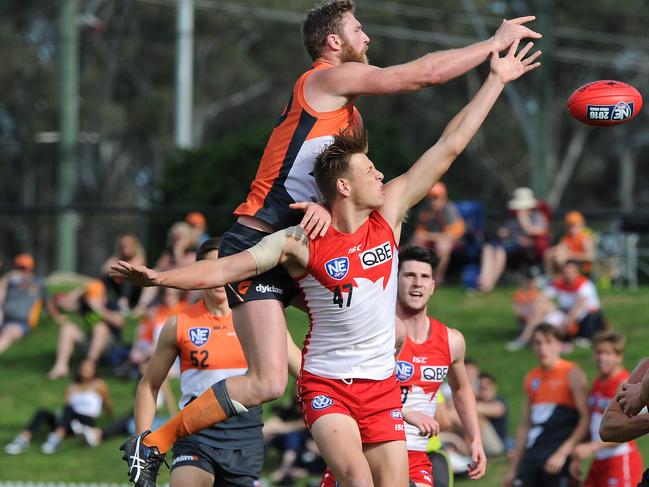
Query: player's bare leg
[[339, 442], [261, 328], [189, 476], [389, 463]]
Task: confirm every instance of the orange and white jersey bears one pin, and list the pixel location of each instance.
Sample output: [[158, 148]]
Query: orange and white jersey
[[285, 171], [350, 290], [209, 350], [602, 392], [421, 369]]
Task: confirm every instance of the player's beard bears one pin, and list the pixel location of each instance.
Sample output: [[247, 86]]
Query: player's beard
[[350, 55]]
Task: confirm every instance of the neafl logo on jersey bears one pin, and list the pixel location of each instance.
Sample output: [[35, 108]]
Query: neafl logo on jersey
[[376, 256], [405, 370], [199, 336], [337, 268]]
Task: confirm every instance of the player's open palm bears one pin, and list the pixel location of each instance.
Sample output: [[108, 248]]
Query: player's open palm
[[513, 29], [514, 65], [137, 274]]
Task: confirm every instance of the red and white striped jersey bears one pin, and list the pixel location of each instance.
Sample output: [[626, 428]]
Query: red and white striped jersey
[[350, 289], [421, 369]]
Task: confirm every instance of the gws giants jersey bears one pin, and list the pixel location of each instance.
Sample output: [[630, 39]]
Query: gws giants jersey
[[210, 351], [350, 289], [421, 369], [603, 392], [285, 171]]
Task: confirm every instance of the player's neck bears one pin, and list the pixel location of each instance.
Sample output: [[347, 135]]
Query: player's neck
[[347, 219], [329, 58], [216, 308], [417, 325], [612, 373]]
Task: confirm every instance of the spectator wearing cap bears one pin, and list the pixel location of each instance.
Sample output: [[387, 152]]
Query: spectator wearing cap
[[521, 241], [439, 227], [199, 226], [576, 244], [22, 295]]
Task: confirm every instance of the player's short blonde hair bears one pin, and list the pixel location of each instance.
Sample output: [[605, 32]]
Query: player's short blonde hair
[[613, 338]]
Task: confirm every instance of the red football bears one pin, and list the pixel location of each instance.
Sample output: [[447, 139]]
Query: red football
[[605, 102]]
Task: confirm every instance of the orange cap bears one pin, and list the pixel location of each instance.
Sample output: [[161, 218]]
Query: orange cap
[[95, 289], [195, 219], [439, 189], [24, 261], [574, 218]]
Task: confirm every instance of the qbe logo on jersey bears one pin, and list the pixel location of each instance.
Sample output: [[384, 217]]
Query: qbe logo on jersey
[[376, 256], [618, 112], [405, 370], [199, 336], [433, 373], [337, 268]]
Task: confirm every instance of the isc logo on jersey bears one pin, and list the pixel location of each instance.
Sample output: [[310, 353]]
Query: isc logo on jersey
[[337, 268], [376, 256], [433, 373], [405, 370], [199, 336]]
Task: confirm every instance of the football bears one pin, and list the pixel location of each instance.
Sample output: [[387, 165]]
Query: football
[[605, 102]]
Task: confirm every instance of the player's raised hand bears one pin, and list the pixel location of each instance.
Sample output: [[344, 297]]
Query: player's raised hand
[[512, 66], [629, 398], [316, 218], [136, 274], [512, 30]]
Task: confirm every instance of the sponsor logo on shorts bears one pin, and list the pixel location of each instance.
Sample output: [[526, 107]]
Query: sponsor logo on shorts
[[199, 336], [618, 112], [321, 402], [185, 458], [396, 414], [268, 288], [376, 256], [337, 268], [405, 370], [399, 427], [243, 287], [433, 373]]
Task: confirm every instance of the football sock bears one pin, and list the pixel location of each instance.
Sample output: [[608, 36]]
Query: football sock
[[211, 407]]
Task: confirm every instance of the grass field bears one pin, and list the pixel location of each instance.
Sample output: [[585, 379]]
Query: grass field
[[486, 322]]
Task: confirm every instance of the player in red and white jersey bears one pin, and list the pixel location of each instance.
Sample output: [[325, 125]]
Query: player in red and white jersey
[[366, 216], [431, 353], [618, 464], [203, 337]]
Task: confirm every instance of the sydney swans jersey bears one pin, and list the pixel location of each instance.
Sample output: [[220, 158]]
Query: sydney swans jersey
[[421, 369], [603, 392], [285, 173], [350, 289], [210, 351]]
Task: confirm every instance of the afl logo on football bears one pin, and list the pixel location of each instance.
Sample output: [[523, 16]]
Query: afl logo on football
[[405, 370], [618, 112], [321, 402], [337, 268], [199, 336]]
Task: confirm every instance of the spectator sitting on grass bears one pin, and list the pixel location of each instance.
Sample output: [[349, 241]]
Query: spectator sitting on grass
[[525, 298], [21, 299], [85, 398], [492, 415], [91, 302], [579, 311], [129, 249]]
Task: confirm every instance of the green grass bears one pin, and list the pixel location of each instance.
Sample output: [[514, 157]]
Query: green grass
[[486, 322]]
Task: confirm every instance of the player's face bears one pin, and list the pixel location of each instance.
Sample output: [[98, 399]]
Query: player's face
[[570, 272], [606, 358], [218, 293], [546, 348], [416, 285], [366, 182], [354, 41]]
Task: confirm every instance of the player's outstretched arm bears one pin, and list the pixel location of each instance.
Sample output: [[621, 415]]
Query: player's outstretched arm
[[289, 247], [404, 192], [354, 79]]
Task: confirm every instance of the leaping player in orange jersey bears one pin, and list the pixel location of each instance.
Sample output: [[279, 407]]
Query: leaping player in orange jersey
[[352, 338]]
